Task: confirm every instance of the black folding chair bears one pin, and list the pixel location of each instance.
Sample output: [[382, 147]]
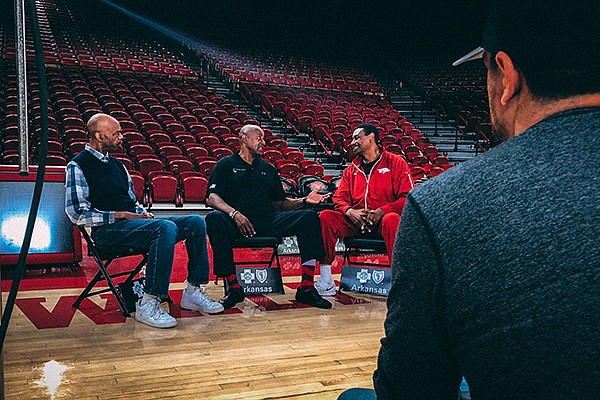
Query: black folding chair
[[103, 257], [360, 245], [376, 278], [261, 242]]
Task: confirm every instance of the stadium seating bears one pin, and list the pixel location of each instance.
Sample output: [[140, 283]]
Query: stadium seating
[[175, 127]]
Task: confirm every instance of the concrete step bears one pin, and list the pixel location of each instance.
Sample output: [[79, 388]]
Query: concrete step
[[451, 148], [432, 133], [447, 140], [444, 136], [459, 157], [401, 98]]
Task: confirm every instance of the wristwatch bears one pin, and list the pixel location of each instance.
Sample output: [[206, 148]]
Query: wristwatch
[[232, 214], [304, 202]]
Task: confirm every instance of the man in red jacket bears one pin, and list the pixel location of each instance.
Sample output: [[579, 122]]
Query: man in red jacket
[[369, 199]]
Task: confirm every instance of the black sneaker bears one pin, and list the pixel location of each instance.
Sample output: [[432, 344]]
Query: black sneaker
[[233, 296], [308, 295]]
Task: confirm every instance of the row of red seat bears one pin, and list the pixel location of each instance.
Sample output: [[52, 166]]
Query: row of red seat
[[166, 187], [330, 118], [287, 71], [179, 189], [68, 41], [459, 93]]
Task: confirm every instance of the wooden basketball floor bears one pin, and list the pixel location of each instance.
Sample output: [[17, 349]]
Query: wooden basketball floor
[[269, 347]]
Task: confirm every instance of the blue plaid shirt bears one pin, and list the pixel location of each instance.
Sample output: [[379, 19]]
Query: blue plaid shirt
[[77, 206]]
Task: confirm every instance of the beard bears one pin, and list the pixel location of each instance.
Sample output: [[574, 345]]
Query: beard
[[499, 133]]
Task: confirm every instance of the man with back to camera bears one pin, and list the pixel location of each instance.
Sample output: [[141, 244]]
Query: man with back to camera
[[496, 268], [100, 194], [248, 199], [369, 200]]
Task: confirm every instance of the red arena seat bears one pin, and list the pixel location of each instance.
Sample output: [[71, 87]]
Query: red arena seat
[[312, 168], [139, 185], [194, 187], [205, 167], [163, 187], [288, 168], [148, 164]]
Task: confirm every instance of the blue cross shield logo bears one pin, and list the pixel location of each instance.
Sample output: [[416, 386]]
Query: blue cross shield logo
[[363, 276], [378, 276], [248, 276], [261, 275]]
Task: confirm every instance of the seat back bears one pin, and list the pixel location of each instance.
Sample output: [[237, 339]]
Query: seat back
[[194, 187], [163, 187]]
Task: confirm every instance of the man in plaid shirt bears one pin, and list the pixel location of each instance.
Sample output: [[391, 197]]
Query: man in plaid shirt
[[100, 195]]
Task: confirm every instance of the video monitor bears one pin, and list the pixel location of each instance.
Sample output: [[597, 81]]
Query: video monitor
[[54, 239]]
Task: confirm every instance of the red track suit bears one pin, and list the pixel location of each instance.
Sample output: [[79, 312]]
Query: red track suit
[[385, 187]]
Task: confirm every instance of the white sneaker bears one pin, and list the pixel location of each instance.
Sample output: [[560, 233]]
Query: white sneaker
[[198, 300], [151, 313], [325, 288]]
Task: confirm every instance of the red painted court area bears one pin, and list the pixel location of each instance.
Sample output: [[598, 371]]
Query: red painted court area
[[56, 277], [62, 313]]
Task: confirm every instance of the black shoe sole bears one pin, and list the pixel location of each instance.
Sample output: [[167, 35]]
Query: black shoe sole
[[321, 303], [324, 305], [230, 303]]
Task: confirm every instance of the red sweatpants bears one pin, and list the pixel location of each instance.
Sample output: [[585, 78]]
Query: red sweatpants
[[335, 225]]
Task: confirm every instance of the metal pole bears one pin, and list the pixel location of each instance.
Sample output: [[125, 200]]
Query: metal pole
[[21, 60]]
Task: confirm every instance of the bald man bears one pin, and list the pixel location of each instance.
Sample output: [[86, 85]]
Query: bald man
[[248, 199], [100, 195]]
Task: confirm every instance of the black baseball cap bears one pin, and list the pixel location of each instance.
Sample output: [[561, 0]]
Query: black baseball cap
[[542, 34]]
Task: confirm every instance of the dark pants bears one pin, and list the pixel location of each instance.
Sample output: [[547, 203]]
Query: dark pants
[[223, 231], [159, 237], [358, 394]]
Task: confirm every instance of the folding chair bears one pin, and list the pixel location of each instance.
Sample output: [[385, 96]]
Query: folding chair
[[357, 245], [261, 242], [376, 278], [103, 257]]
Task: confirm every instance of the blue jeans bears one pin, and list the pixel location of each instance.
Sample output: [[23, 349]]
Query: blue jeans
[[159, 237], [358, 394]]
